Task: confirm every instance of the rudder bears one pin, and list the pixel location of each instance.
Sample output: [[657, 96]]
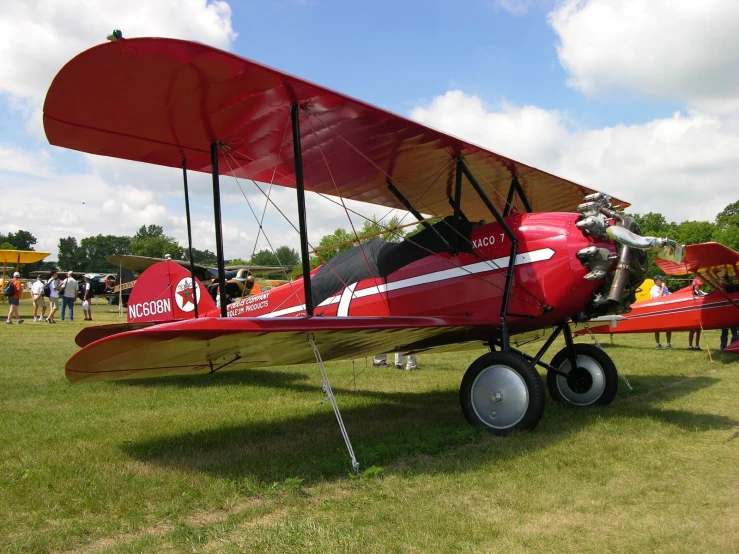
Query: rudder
[[164, 292]]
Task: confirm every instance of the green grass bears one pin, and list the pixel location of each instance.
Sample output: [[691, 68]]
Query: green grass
[[251, 461]]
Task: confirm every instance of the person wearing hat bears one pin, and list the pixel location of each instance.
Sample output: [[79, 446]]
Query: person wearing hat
[[37, 293], [660, 290], [14, 300], [68, 289]]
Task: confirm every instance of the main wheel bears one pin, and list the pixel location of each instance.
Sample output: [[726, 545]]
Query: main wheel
[[593, 382], [502, 392]]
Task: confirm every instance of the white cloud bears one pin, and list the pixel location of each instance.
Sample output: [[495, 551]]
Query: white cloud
[[683, 166], [519, 7], [682, 50], [40, 36]]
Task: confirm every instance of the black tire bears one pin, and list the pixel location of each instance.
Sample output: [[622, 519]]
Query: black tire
[[594, 383], [502, 392]]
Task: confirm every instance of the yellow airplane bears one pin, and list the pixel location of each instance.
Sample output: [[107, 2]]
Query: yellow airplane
[[643, 292], [16, 258]]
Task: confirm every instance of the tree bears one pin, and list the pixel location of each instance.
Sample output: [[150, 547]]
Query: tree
[[151, 241], [332, 245], [22, 240], [692, 232], [93, 251], [652, 224], [202, 257], [389, 231], [264, 257], [287, 256], [68, 257], [727, 226]]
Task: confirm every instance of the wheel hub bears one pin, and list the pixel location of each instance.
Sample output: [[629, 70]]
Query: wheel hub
[[580, 380], [499, 397]]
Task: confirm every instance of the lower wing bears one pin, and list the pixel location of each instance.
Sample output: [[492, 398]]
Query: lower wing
[[209, 344]]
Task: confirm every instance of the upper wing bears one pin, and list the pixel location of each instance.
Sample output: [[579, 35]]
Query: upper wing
[[700, 257], [21, 256], [203, 345], [162, 100]]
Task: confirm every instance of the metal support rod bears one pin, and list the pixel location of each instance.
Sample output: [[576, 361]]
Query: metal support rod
[[509, 200], [195, 291], [522, 195], [548, 343], [571, 354], [545, 365], [504, 336], [457, 205], [516, 188], [418, 216], [219, 233], [302, 226]]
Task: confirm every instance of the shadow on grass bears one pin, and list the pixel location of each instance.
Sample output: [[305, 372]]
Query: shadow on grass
[[390, 427], [255, 377]]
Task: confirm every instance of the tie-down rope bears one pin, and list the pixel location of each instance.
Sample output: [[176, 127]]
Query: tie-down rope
[[326, 386]]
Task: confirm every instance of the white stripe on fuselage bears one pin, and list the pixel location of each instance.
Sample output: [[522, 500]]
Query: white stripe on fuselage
[[344, 299]]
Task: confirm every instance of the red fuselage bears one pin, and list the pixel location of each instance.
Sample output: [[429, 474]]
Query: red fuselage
[[548, 285]]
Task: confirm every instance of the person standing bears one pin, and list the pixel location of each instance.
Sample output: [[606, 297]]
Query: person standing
[[68, 289], [14, 300], [86, 297], [724, 336], [39, 301], [408, 363], [696, 288], [53, 289], [660, 290]]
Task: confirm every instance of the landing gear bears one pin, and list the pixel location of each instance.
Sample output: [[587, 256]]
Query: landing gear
[[502, 392], [593, 382]]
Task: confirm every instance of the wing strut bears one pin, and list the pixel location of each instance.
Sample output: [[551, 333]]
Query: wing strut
[[219, 235], [326, 386], [504, 335], [194, 285], [300, 187], [516, 188], [419, 217]]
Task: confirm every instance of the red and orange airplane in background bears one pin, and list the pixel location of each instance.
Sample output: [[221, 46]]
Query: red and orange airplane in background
[[715, 265]]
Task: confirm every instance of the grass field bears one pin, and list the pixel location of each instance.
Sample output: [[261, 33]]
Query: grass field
[[251, 461]]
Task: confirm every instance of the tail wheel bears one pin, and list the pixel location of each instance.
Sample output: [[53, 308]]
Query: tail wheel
[[594, 382], [502, 392]]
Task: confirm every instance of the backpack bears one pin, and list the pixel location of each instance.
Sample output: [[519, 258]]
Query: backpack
[[9, 289]]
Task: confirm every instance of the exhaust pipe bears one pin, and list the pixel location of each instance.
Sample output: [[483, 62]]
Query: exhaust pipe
[[650, 244], [667, 248]]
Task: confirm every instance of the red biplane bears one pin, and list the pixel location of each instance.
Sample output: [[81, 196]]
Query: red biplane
[[715, 265], [183, 104]]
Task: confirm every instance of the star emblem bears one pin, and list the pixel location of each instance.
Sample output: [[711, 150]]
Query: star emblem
[[186, 295]]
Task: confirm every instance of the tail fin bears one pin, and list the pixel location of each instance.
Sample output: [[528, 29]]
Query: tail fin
[[164, 292]]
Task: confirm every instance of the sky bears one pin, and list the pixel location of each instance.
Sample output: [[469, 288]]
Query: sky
[[637, 98]]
